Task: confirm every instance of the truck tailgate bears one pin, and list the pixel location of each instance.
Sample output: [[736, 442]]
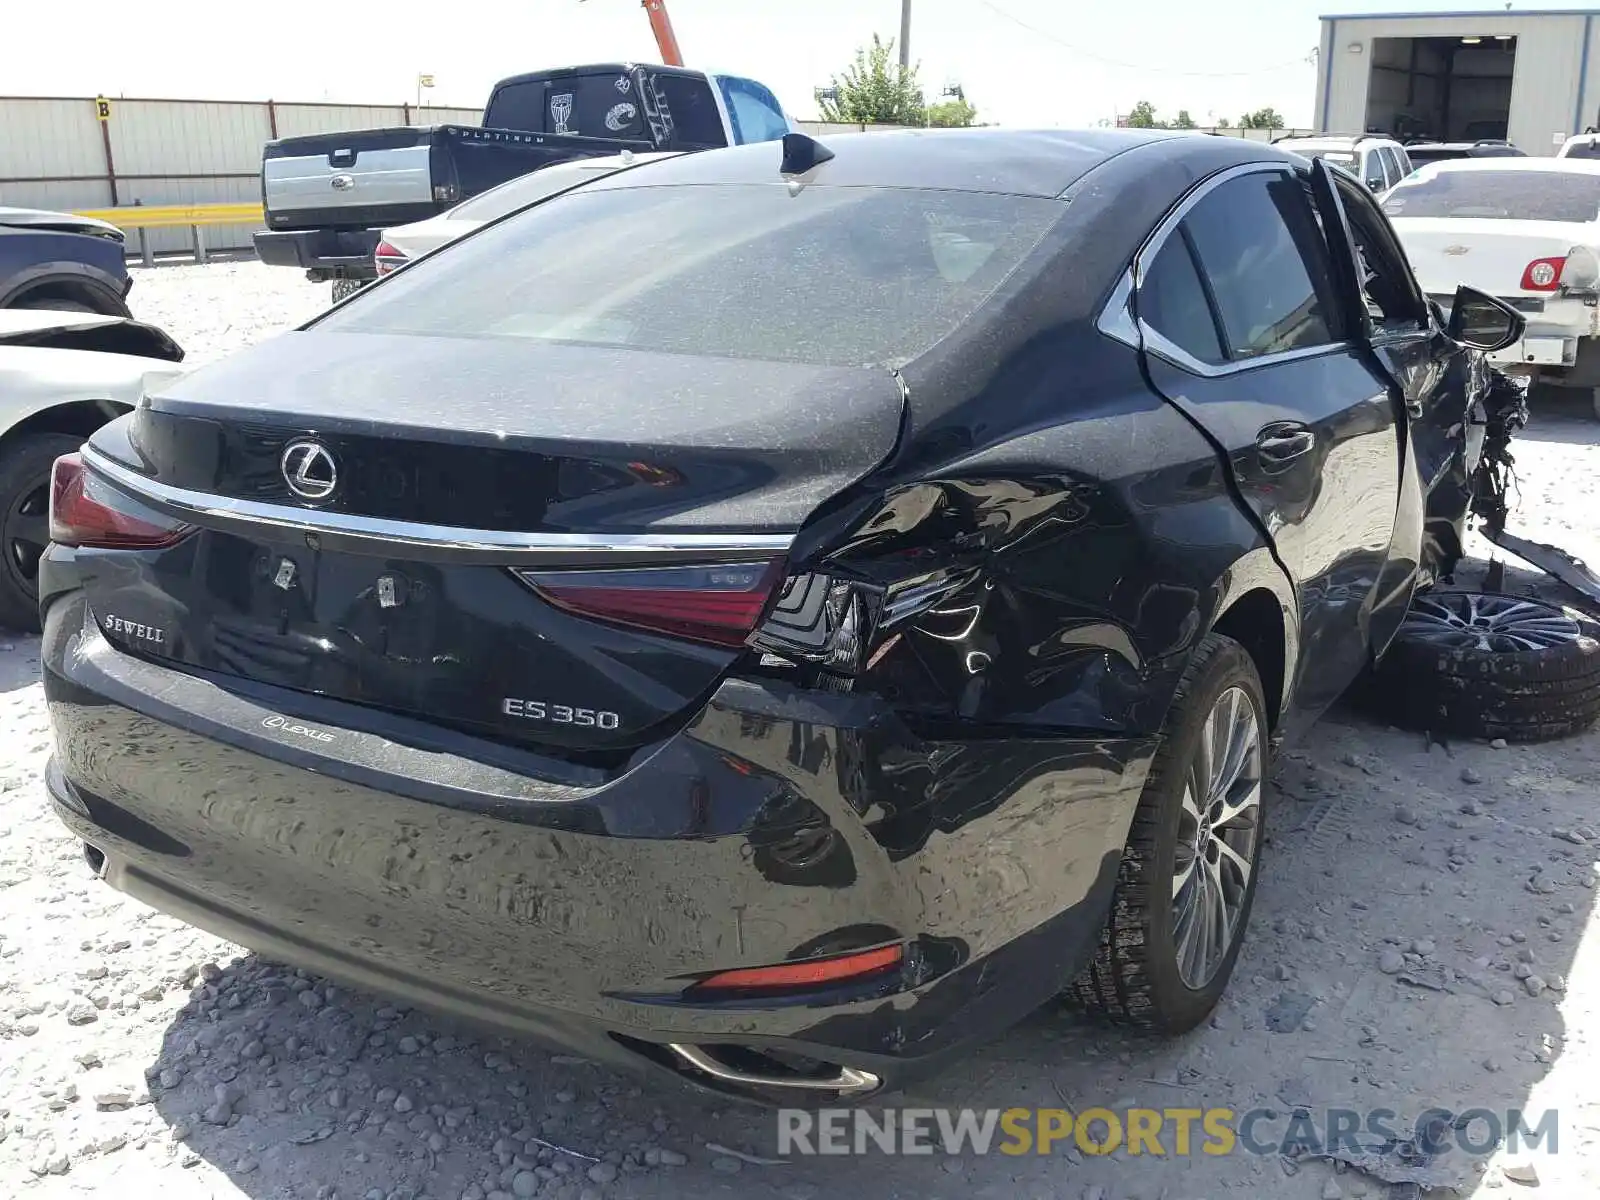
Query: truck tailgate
[[345, 178]]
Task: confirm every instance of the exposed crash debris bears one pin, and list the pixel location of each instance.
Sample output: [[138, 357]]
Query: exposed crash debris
[[1482, 663]]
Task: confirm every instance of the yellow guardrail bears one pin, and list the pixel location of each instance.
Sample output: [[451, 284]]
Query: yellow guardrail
[[176, 216], [193, 217]]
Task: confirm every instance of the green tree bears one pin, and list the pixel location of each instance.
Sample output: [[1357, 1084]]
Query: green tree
[[1184, 120], [955, 113], [1263, 118], [1143, 116], [875, 90], [1222, 123]]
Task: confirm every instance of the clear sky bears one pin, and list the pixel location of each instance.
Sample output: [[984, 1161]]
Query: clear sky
[[1023, 62]]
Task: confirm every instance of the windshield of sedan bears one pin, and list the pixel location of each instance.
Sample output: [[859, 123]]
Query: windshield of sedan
[[1498, 196], [830, 276]]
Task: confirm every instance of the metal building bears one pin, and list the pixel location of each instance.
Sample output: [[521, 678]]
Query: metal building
[[1531, 77]]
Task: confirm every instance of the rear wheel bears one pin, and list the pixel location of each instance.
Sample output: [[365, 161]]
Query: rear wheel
[[1188, 875], [343, 289], [25, 522], [1486, 665]]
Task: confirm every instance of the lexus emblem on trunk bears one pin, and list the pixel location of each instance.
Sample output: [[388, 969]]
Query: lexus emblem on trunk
[[1454, 250], [309, 469]]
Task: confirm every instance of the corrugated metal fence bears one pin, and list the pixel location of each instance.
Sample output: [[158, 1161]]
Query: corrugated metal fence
[[73, 153], [57, 152]]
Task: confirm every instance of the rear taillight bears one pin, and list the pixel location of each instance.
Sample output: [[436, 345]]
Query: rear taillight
[[1543, 275], [1582, 270], [716, 604], [86, 511], [845, 625], [388, 258]]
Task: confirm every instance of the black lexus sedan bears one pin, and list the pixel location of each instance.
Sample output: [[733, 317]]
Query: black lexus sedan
[[776, 615]]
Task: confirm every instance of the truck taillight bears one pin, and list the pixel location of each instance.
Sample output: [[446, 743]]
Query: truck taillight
[[1543, 275], [716, 604], [86, 511]]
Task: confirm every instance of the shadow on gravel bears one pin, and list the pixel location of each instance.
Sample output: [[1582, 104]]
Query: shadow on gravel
[[1417, 917], [1563, 415], [19, 661]]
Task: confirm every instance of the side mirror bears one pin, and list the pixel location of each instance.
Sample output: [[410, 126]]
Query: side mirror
[[1483, 322], [1375, 186]]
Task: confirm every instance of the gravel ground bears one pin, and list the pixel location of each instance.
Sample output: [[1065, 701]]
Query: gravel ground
[[1419, 940]]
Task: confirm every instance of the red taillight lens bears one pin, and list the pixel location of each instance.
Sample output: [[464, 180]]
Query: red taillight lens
[[388, 259], [814, 972], [84, 511], [1543, 274], [719, 604]]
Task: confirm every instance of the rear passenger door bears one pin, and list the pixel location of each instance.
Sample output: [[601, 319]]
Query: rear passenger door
[[1244, 328]]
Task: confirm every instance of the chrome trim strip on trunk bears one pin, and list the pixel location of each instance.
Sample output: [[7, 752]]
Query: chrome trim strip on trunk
[[355, 534]]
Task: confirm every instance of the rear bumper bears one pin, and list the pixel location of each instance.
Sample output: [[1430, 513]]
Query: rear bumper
[[468, 879], [340, 253]]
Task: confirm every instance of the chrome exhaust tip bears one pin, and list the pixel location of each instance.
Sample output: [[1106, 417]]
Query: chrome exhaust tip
[[96, 860], [849, 1081]]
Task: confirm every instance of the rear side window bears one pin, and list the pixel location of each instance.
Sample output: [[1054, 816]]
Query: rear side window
[[1391, 160], [695, 119], [1588, 149], [1499, 196], [1172, 301], [1259, 246], [868, 277], [753, 110], [1373, 175], [518, 106]]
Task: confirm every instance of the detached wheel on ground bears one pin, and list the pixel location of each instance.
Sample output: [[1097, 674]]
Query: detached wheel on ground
[[25, 522], [1487, 665], [1188, 876]]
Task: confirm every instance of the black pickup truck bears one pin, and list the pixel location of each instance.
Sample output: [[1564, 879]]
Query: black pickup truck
[[328, 196]]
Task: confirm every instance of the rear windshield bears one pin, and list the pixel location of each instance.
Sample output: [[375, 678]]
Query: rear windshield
[[1421, 157], [1499, 196], [832, 276]]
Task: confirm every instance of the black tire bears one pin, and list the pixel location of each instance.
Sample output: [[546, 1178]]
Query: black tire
[[1134, 978], [1486, 687], [24, 507], [343, 289]]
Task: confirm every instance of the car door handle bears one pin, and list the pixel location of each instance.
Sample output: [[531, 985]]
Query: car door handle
[[1280, 444]]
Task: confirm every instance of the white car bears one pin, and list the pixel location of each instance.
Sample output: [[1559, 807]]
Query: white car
[[62, 376], [405, 242], [1583, 145], [1526, 230], [1379, 162]]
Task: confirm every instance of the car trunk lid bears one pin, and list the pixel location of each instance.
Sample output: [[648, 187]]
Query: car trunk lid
[[1489, 255], [479, 562]]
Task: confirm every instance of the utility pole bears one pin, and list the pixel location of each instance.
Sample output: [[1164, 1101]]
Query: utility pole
[[905, 35]]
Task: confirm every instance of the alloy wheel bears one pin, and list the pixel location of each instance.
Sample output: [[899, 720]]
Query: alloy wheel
[[1487, 621], [1219, 827]]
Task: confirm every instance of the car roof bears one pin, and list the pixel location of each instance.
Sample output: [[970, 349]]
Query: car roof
[[1568, 166], [1336, 142], [1019, 162]]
